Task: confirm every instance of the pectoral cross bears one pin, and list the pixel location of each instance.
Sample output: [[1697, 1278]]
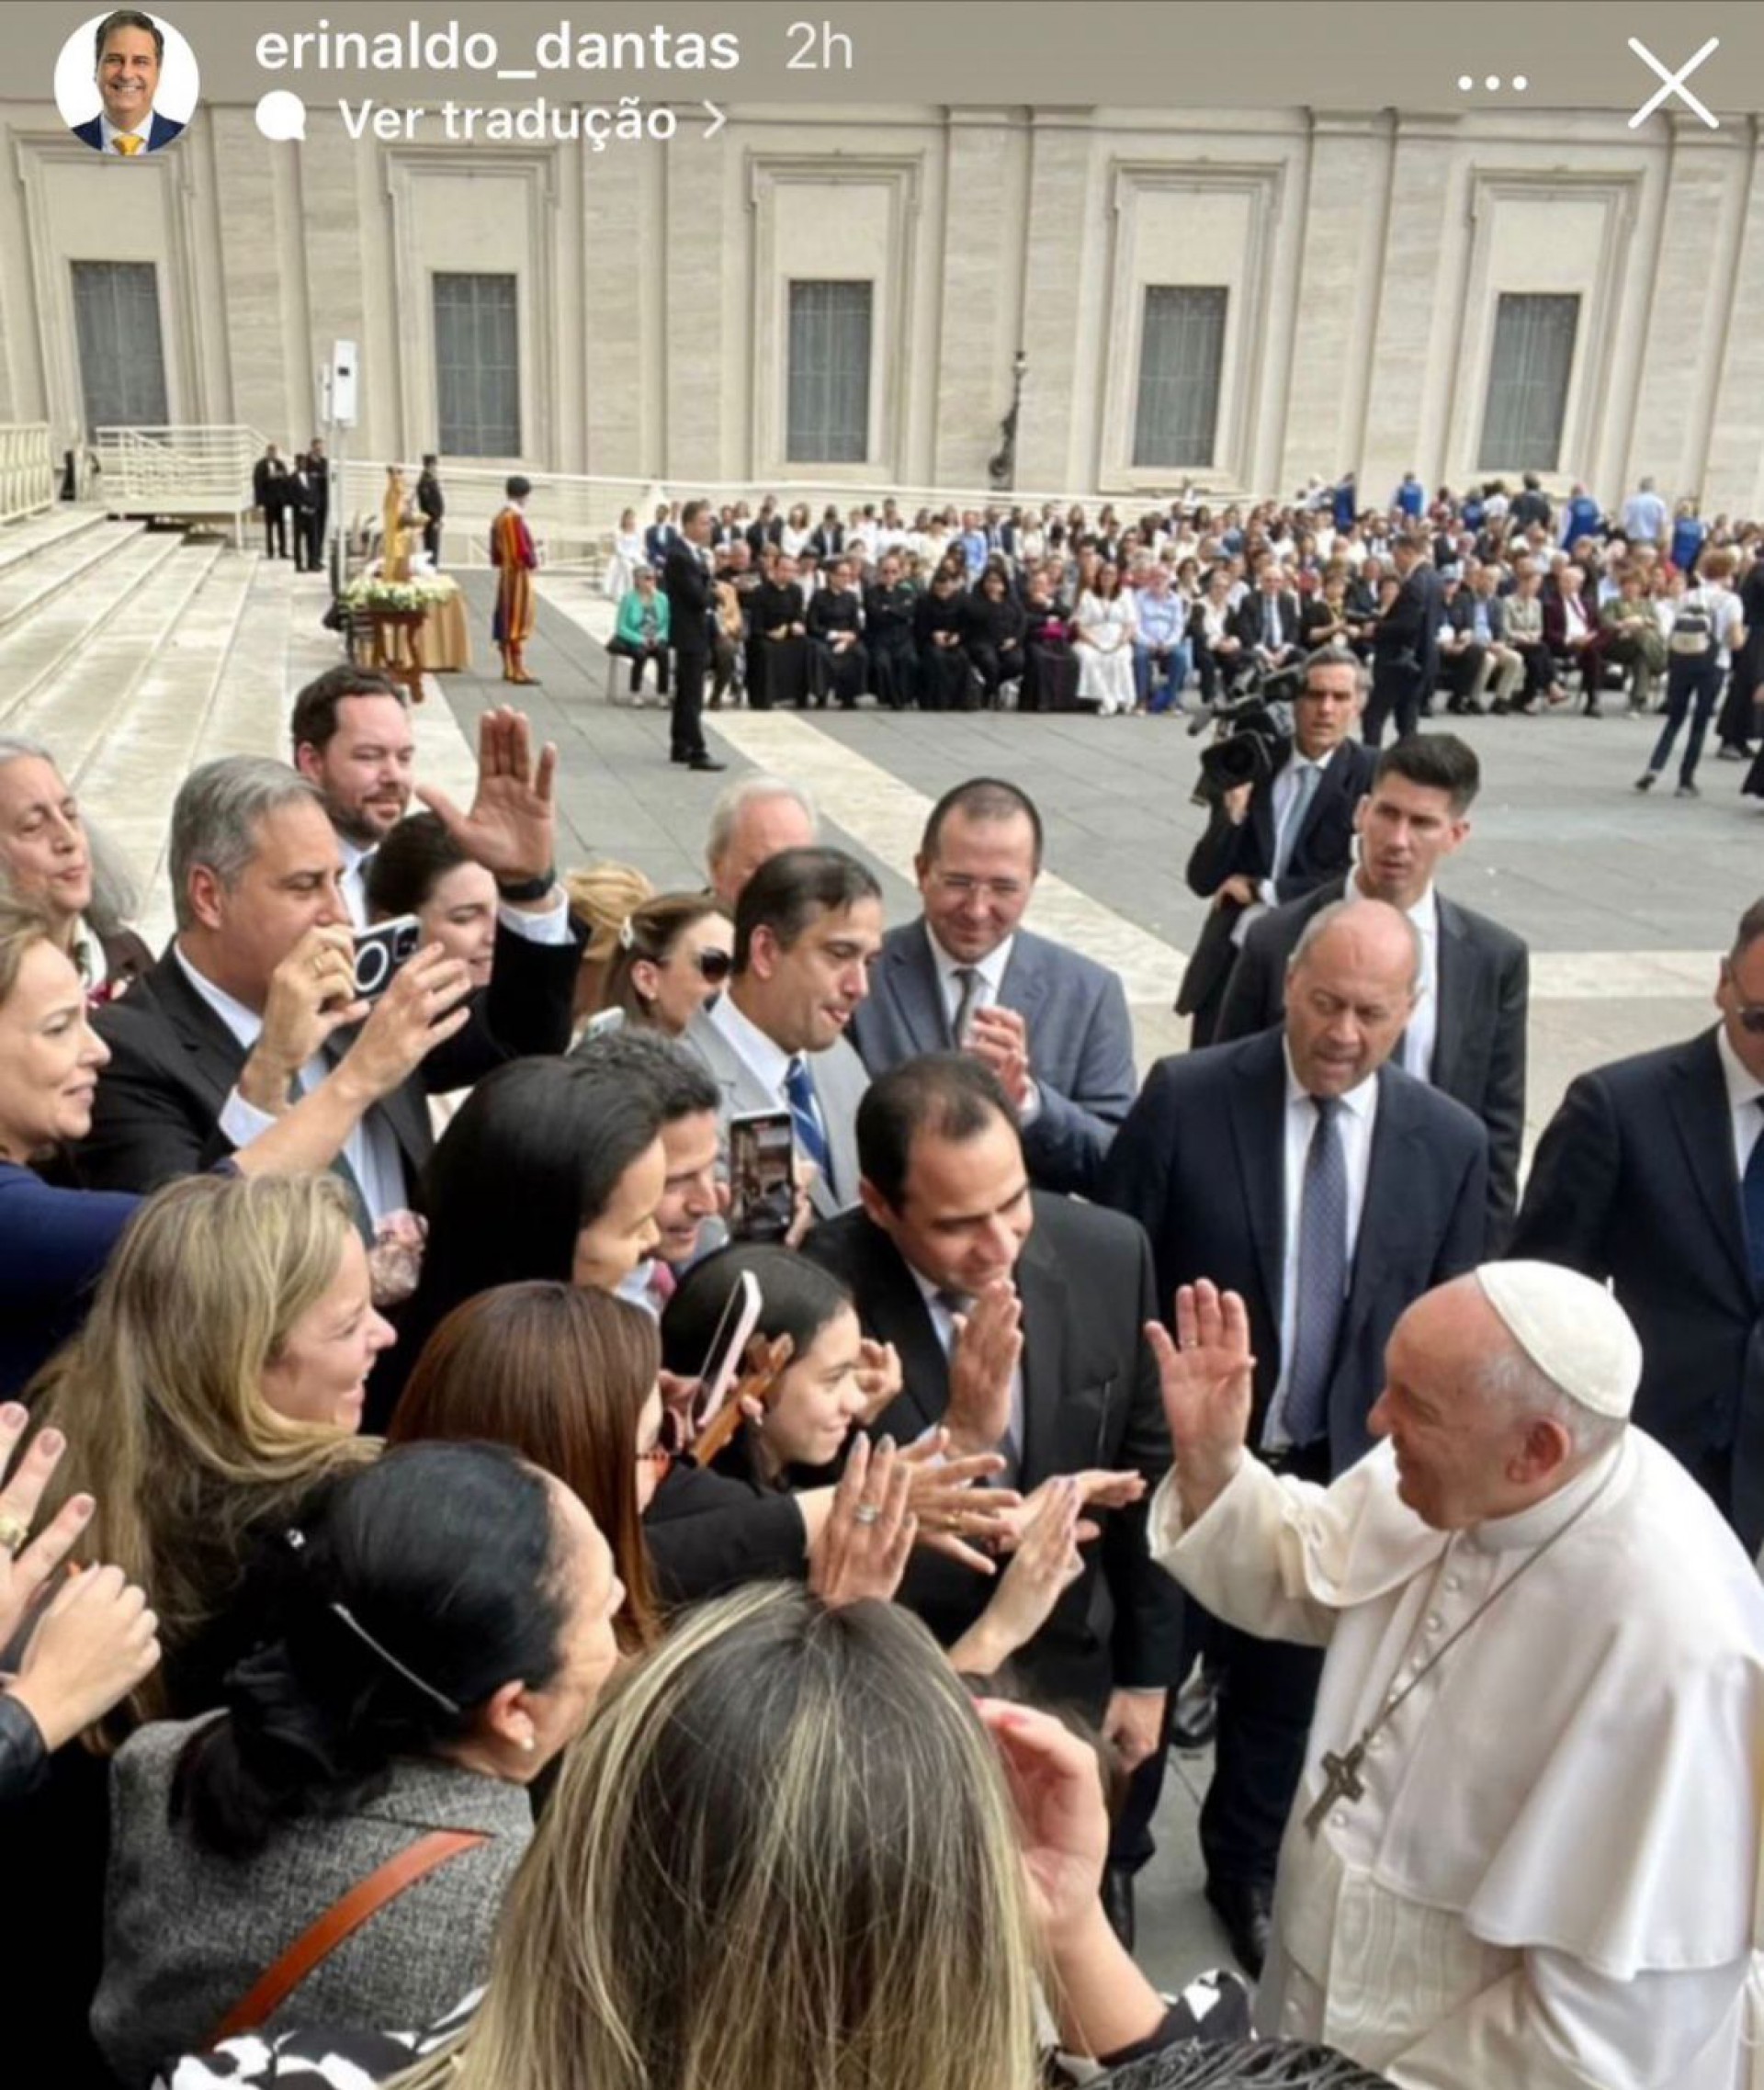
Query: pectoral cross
[[1343, 1782]]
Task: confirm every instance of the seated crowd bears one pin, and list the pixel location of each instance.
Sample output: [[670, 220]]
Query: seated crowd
[[497, 1588], [1485, 600]]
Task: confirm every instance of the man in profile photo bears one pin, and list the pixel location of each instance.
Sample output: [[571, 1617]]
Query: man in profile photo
[[131, 46]]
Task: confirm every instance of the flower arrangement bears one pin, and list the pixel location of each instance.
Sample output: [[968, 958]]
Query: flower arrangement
[[374, 591]]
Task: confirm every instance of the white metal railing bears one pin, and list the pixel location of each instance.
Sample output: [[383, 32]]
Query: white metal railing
[[27, 469], [577, 515], [178, 472]]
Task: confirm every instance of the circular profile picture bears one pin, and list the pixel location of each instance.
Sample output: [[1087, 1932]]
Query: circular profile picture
[[126, 84]]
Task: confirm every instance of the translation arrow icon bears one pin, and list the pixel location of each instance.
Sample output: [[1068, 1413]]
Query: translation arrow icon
[[718, 117]]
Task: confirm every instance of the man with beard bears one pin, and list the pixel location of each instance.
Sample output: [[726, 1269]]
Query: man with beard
[[352, 737]]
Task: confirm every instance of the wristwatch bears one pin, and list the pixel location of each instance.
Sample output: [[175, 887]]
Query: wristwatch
[[526, 888]]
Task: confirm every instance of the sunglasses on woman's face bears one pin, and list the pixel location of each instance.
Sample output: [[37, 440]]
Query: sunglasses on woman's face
[[714, 966]]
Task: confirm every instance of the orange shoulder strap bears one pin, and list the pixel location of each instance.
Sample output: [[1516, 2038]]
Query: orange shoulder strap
[[318, 1942]]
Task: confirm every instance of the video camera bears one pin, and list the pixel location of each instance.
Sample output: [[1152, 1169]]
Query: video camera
[[1249, 732]]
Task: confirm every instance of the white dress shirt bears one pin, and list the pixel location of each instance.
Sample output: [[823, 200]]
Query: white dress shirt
[[1285, 791], [990, 969], [353, 884], [110, 133], [1744, 1092], [1355, 1126], [944, 1325], [1421, 1038], [370, 1151], [764, 1058]]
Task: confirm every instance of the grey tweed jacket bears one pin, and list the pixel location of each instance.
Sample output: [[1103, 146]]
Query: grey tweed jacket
[[187, 1934]]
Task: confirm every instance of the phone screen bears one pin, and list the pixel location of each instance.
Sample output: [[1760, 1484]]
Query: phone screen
[[761, 1176]]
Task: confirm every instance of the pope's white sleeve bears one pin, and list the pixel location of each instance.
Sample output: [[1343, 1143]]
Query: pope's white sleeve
[[1555, 2024], [1245, 1558]]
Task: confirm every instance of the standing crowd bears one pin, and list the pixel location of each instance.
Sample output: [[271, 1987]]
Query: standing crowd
[[500, 1590]]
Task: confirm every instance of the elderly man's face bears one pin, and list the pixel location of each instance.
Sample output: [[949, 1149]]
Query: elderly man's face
[[127, 76], [765, 827], [1348, 1000], [1462, 1456]]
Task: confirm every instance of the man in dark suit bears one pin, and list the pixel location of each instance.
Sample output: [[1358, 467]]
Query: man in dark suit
[[1651, 1175], [269, 490], [1274, 841], [1575, 635], [431, 502], [686, 582], [1467, 1036], [1405, 643], [131, 48], [203, 1054], [318, 513], [1302, 1169], [1050, 1023], [1267, 624], [1018, 1320]]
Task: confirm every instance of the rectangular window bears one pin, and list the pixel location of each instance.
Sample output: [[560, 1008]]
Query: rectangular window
[[829, 417], [1528, 382], [1181, 354], [122, 362], [477, 367]]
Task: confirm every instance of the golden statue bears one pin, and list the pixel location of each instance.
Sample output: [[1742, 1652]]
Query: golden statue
[[395, 533]]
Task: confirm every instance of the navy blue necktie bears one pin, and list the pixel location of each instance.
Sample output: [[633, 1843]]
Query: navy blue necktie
[[1751, 1191], [1322, 1291], [804, 1114]]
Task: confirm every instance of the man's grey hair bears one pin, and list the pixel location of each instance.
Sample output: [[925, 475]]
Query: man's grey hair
[[734, 799], [1335, 656], [115, 894], [1509, 1380], [215, 818], [1325, 918]]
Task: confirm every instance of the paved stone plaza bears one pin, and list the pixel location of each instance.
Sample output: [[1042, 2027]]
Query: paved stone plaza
[[1624, 899]]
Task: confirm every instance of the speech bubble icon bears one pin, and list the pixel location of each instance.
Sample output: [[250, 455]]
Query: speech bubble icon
[[281, 115]]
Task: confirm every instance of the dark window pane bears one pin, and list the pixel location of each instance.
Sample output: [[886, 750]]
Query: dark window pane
[[122, 364], [827, 415], [1528, 382], [477, 365], [1181, 353]]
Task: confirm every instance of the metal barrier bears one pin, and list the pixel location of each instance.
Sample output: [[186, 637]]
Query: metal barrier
[[27, 469], [191, 474]]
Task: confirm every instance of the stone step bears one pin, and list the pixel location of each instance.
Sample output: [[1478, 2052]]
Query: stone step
[[34, 581], [78, 707], [29, 538], [63, 635], [129, 777]]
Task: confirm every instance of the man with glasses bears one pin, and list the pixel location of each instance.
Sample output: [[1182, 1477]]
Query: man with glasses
[[1051, 1024], [1651, 1176]]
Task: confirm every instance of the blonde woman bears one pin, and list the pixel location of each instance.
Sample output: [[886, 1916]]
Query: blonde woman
[[220, 1377], [602, 898], [789, 1854]]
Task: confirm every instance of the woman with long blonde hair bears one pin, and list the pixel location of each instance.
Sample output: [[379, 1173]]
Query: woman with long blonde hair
[[218, 1378], [789, 1854]]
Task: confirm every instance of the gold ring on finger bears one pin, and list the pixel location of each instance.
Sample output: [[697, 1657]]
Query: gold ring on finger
[[14, 1532]]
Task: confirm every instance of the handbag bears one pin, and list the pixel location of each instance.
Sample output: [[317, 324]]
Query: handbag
[[341, 1920]]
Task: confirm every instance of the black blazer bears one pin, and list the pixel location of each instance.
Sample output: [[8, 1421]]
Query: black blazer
[[173, 1063], [1250, 622], [1090, 1397], [1411, 631], [1479, 1046], [1634, 1181], [1201, 1165], [709, 1533], [686, 584], [1322, 849]]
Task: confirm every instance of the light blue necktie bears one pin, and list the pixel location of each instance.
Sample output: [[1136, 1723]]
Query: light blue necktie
[[1303, 791]]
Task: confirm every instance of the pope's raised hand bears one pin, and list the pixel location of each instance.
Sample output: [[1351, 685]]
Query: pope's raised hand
[[1207, 1375]]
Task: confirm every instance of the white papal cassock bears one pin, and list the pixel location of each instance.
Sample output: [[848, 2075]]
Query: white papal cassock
[[1551, 1879]]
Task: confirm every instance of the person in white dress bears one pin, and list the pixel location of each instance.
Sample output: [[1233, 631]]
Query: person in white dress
[[1103, 638], [1525, 1851], [627, 556]]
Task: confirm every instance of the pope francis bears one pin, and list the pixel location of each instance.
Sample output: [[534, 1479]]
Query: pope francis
[[1526, 1853]]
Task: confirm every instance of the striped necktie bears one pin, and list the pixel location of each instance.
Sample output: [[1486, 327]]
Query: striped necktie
[[805, 1116]]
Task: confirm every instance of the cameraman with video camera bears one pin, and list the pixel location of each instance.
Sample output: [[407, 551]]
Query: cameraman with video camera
[[1281, 821]]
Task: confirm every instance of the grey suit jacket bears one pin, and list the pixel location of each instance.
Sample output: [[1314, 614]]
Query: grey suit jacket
[[189, 1934], [1080, 1042], [839, 1082]]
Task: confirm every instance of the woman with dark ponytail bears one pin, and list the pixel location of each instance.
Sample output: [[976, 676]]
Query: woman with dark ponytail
[[425, 1642]]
